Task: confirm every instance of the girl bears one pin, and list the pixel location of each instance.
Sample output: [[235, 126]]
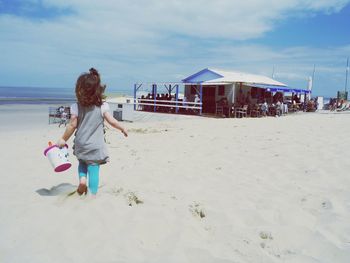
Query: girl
[[87, 118]]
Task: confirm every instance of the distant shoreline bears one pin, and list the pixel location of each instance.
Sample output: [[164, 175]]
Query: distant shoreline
[[50, 96], [8, 101]]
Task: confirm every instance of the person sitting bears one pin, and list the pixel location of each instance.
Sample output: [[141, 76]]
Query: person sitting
[[333, 104], [172, 104], [140, 101], [294, 106], [296, 98], [196, 101], [240, 98], [285, 107], [223, 102], [248, 98], [225, 106], [59, 111], [311, 106], [64, 119], [264, 108], [279, 108]]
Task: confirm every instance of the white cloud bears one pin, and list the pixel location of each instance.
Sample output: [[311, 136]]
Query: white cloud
[[155, 40], [234, 19]]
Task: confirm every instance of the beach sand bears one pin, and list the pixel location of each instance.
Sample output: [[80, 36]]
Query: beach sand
[[189, 189]]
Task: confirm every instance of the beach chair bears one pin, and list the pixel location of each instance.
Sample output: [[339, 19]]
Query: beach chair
[[241, 112], [292, 108], [219, 109], [255, 111], [344, 107]]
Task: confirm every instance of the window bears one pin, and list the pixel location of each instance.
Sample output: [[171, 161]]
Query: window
[[221, 90]]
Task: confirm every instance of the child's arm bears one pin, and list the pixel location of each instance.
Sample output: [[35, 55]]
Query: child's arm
[[114, 123], [72, 125]]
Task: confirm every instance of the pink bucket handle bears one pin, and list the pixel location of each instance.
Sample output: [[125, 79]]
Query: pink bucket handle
[[53, 146]]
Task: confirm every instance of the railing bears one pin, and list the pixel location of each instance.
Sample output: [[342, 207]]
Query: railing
[[168, 103]]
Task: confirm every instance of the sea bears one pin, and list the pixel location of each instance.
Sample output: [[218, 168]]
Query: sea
[[42, 95]]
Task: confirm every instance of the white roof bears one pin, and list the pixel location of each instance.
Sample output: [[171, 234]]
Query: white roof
[[236, 76]]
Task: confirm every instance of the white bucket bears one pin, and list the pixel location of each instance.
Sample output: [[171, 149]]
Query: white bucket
[[58, 157]]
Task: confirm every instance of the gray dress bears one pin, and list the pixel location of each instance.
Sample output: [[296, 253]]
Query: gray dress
[[89, 144]]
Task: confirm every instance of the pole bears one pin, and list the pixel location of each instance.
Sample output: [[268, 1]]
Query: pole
[[155, 97], [135, 96], [313, 76], [309, 88], [346, 75], [201, 98], [273, 72], [177, 97]]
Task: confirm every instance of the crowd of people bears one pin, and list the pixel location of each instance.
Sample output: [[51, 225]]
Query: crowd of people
[[270, 105], [265, 104], [336, 104]]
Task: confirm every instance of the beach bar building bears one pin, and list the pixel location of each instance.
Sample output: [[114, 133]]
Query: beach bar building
[[211, 85], [203, 91]]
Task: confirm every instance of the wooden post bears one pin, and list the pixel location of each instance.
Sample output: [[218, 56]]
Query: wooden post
[[177, 97], [135, 96], [201, 98], [155, 97]]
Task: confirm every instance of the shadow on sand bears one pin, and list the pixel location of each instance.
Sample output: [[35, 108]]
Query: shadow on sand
[[61, 189]]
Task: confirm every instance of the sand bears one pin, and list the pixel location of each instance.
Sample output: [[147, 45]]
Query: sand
[[188, 189]]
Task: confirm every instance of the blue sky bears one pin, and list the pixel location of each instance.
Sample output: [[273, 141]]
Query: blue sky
[[48, 43]]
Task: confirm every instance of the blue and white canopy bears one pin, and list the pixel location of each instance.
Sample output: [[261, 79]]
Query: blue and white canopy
[[220, 77], [276, 88]]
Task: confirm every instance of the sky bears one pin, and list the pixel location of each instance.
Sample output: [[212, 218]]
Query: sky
[[49, 43]]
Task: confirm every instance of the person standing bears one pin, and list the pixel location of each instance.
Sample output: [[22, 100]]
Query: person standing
[[87, 121]]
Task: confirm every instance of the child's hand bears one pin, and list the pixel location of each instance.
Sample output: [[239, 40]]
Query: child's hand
[[60, 143], [125, 132]]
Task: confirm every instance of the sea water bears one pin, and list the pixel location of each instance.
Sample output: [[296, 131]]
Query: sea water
[[33, 95], [41, 95]]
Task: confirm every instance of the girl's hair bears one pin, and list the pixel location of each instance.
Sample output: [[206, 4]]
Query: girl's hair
[[89, 90]]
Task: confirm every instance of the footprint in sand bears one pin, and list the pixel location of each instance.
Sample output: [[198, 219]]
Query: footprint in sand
[[116, 191], [268, 246], [132, 199], [265, 235], [327, 205], [197, 210]]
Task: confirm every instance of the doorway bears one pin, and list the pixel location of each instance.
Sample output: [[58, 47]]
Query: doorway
[[208, 100]]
